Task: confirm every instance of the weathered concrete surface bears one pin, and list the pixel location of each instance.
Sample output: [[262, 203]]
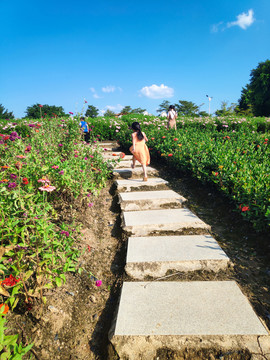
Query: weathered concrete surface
[[138, 184], [154, 222], [155, 255], [110, 156], [126, 164], [108, 144], [137, 172], [150, 200], [176, 315]]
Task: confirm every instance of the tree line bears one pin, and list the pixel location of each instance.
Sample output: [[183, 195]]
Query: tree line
[[254, 101]]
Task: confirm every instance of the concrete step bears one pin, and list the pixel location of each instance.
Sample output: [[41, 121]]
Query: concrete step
[[177, 315], [116, 156], [138, 184], [135, 173], [150, 200], [108, 144], [163, 222], [155, 255], [127, 164]]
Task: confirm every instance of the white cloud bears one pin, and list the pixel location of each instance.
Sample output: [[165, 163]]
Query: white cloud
[[110, 88], [157, 92], [115, 108], [95, 95], [244, 20], [215, 28]]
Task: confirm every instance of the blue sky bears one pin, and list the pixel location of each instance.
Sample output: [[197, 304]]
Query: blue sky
[[137, 53]]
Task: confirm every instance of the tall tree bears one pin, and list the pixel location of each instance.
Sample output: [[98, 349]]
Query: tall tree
[[126, 110], [226, 109], [138, 111], [91, 111], [109, 113], [260, 89], [5, 114], [38, 110], [187, 108], [164, 106]]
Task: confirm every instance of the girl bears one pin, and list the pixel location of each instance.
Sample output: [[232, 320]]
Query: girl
[[139, 148], [172, 115]]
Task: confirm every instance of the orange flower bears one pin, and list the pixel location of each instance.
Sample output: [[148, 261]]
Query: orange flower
[[122, 155], [37, 130], [6, 308], [114, 154], [4, 180], [5, 167], [152, 138], [163, 137]]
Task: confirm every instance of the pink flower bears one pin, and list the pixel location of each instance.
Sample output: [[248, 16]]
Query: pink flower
[[85, 158], [55, 167], [44, 181], [91, 156], [47, 188], [98, 283], [60, 145], [71, 113], [40, 105], [76, 155], [90, 205], [61, 172]]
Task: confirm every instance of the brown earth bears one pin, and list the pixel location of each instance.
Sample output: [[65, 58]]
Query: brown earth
[[75, 321]]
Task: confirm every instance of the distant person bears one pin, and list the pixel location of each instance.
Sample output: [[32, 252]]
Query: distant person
[[171, 116], [85, 128], [139, 148]]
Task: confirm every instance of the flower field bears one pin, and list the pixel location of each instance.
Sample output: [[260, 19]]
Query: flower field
[[233, 154], [41, 164]]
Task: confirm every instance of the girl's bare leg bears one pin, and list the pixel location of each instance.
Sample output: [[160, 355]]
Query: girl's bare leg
[[144, 171], [133, 162]]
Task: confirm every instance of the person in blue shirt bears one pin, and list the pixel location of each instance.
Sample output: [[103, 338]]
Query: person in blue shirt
[[85, 128]]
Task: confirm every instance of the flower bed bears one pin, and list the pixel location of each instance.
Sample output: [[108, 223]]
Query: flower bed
[[230, 153], [41, 163]]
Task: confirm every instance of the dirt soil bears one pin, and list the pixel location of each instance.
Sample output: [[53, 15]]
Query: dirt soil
[[76, 320]]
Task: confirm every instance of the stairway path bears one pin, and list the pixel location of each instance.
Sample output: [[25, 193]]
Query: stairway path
[[165, 236]]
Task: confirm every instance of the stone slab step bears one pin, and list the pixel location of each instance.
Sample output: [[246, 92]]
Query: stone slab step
[[150, 200], [109, 156], [127, 164], [138, 184], [137, 172], [176, 315], [108, 144], [161, 222], [155, 255]]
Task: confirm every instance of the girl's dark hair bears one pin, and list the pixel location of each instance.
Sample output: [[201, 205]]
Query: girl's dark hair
[[136, 126], [172, 107]]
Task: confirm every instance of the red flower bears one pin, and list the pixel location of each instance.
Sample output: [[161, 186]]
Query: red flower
[[152, 138], [25, 181], [175, 139], [216, 173], [6, 308], [40, 105], [122, 155], [10, 281], [163, 137], [170, 154], [245, 208]]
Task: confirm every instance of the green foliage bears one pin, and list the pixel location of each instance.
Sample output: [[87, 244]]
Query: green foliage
[[5, 114], [164, 106], [38, 170], [260, 89], [126, 110], [109, 113], [37, 111], [91, 111], [138, 111], [10, 349], [232, 153], [225, 109], [187, 108], [255, 96]]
